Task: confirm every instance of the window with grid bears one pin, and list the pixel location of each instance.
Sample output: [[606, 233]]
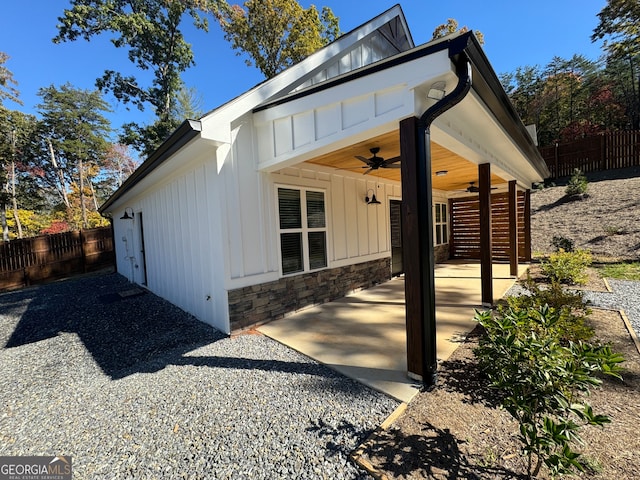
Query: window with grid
[[302, 230], [440, 224]]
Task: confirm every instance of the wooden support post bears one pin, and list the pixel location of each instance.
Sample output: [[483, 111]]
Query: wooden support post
[[417, 249], [411, 246], [486, 246], [527, 225], [513, 228]]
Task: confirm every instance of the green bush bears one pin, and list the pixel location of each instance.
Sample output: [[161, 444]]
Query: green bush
[[570, 306], [577, 185], [568, 267], [543, 382]]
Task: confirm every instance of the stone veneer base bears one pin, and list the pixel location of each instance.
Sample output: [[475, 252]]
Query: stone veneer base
[[264, 302]]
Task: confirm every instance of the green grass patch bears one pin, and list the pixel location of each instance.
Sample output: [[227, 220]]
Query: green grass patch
[[621, 271]]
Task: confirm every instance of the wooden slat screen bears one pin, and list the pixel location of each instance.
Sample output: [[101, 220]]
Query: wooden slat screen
[[465, 227]]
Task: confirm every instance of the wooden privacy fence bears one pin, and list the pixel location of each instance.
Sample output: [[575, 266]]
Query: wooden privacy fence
[[601, 152], [37, 259]]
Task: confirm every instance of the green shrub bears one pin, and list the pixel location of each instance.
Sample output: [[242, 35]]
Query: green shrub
[[543, 382], [570, 306], [577, 185], [568, 267]]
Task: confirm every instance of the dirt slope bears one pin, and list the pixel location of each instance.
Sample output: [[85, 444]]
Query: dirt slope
[[606, 221]]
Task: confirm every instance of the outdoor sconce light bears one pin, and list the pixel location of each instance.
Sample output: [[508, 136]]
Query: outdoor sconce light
[[128, 214], [437, 92], [371, 200]]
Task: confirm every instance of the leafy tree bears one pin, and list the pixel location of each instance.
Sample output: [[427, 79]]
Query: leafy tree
[[188, 104], [619, 26], [524, 87], [8, 84], [70, 145], [450, 27], [150, 29], [18, 189], [117, 165], [275, 34]]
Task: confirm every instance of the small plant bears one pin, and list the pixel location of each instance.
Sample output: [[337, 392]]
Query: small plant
[[573, 311], [568, 267], [577, 185], [543, 382], [611, 230], [562, 243]]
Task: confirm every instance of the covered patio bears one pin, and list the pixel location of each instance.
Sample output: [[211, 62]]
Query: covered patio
[[364, 335]]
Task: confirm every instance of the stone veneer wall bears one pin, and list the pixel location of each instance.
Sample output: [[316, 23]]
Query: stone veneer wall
[[441, 253], [272, 300]]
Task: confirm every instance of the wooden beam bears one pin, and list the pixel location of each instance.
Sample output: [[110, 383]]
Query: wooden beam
[[417, 249], [527, 225], [486, 266], [513, 228], [411, 246]]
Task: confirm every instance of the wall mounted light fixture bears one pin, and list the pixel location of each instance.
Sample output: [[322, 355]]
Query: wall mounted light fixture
[[128, 214], [441, 173], [371, 200]]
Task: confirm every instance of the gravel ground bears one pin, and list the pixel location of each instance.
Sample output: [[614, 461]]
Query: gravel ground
[[624, 297], [134, 387]]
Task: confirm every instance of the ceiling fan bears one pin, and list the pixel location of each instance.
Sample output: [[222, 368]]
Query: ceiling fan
[[376, 162], [473, 188]]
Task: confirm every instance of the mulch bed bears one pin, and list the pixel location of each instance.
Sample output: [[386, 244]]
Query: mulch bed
[[458, 431]]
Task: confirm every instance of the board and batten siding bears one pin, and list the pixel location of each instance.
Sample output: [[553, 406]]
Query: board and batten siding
[[182, 240], [357, 232]]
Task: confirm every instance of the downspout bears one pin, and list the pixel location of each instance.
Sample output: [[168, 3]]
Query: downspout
[[429, 357]]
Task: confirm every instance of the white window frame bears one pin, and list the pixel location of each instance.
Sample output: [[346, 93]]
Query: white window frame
[[304, 230], [444, 221]]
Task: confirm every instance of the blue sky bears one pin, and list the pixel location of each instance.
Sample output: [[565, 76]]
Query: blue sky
[[517, 33]]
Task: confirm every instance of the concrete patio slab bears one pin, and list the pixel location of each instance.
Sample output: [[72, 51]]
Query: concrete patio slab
[[363, 335]]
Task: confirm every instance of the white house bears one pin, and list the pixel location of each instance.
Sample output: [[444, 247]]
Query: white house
[[263, 206]]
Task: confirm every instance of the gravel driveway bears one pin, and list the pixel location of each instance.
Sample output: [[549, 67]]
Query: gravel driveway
[[130, 386]]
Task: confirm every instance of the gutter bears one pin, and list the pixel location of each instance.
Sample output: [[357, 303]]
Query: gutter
[[457, 54], [187, 131]]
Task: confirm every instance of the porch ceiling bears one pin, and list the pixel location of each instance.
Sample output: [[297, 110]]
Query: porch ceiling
[[459, 171]]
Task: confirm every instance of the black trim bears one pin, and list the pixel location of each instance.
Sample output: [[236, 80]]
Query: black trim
[[487, 85], [182, 135]]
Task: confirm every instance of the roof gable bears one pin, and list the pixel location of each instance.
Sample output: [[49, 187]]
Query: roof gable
[[379, 38]]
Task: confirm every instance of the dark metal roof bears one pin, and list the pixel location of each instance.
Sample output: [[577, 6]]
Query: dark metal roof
[[182, 135]]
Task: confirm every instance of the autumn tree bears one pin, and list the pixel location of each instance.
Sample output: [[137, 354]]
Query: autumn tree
[[70, 147], [275, 34], [450, 27], [619, 27], [151, 32]]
